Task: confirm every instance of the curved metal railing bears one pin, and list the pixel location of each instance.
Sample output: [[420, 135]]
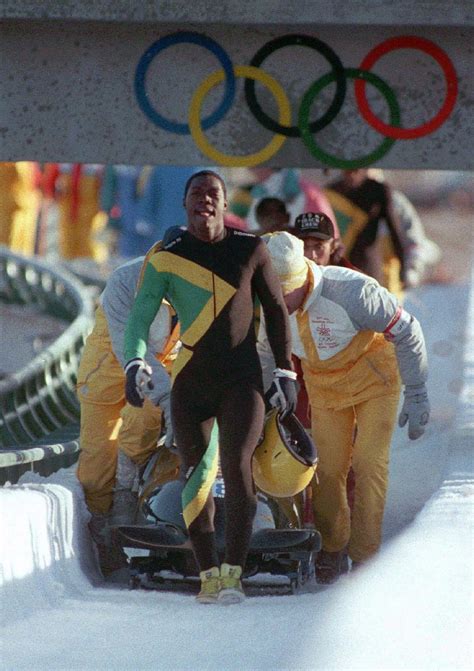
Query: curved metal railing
[[39, 399]]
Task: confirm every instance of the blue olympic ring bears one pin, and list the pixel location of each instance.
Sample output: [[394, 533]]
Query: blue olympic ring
[[164, 43]]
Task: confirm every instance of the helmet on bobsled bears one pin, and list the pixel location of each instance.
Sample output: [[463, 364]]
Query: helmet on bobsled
[[285, 460], [164, 505]]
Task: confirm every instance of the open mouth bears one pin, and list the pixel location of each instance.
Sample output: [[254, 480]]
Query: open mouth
[[205, 213]]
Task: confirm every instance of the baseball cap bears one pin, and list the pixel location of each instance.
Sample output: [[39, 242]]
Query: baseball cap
[[316, 224]]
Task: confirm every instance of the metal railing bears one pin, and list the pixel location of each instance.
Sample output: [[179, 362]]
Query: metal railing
[[40, 398]]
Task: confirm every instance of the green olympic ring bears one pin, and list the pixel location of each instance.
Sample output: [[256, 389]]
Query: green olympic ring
[[304, 123]]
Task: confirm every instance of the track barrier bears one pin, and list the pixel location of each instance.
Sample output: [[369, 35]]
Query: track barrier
[[38, 404]]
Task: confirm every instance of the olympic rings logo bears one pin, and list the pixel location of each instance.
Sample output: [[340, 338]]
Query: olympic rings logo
[[306, 128]]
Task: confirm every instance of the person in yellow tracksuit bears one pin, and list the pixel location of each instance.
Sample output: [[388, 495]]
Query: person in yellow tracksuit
[[76, 189], [355, 342], [114, 436], [19, 205]]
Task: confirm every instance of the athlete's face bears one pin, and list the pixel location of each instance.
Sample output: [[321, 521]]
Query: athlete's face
[[205, 204], [318, 250]]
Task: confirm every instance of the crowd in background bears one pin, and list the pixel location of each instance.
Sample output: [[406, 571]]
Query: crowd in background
[[103, 212]]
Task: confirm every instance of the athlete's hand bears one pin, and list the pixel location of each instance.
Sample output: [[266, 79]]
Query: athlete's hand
[[415, 410], [138, 377], [283, 393]]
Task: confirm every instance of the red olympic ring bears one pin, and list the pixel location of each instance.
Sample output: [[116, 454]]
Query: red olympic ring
[[428, 47]]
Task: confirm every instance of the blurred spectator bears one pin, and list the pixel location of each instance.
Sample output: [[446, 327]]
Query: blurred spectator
[[271, 215], [423, 255], [19, 205], [75, 188], [360, 203], [142, 202]]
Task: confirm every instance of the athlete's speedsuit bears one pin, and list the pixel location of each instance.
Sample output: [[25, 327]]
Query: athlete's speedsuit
[[217, 374]]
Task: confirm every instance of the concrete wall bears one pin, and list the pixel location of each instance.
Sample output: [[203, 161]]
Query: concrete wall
[[260, 12], [74, 89]]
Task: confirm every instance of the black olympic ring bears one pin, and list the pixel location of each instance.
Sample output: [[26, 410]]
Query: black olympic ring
[[339, 78]]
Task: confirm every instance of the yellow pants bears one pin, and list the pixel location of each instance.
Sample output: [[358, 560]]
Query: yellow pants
[[333, 432], [104, 430], [108, 423]]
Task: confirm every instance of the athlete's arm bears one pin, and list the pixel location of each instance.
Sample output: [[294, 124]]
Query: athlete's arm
[[404, 331], [145, 307], [378, 310], [268, 289]]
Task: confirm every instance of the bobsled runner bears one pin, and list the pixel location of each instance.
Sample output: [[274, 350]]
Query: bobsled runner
[[287, 553], [277, 549]]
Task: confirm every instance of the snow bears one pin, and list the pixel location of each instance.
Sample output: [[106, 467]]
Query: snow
[[410, 609]]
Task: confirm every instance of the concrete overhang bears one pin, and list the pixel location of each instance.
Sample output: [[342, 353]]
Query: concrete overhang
[[249, 12]]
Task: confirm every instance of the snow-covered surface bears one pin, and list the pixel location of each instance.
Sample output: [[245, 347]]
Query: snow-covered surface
[[410, 609]]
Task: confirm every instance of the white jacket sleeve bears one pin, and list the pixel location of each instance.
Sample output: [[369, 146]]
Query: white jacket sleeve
[[410, 349], [378, 310], [116, 301]]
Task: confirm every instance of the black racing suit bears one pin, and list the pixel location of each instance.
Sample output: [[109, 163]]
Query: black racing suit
[[213, 287]]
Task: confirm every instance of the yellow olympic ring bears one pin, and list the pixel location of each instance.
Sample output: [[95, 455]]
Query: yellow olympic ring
[[250, 160]]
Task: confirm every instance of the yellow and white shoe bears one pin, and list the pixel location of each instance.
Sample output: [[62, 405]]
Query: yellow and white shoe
[[210, 585], [231, 586]]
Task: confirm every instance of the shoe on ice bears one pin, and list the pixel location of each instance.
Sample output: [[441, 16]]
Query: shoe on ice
[[109, 553], [231, 586], [330, 565], [210, 585]]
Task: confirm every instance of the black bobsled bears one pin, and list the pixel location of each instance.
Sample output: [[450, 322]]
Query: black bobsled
[[283, 552]]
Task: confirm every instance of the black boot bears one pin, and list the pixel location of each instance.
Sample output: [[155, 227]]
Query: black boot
[[330, 565]]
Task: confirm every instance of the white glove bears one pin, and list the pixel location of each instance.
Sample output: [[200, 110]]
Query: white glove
[[415, 410], [138, 377]]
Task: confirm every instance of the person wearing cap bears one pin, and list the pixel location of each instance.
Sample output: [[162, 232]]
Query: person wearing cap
[[321, 246], [355, 342], [319, 237]]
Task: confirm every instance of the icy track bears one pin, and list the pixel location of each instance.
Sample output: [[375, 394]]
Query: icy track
[[410, 609]]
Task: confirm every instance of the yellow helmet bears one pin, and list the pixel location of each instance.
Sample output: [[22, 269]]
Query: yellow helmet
[[285, 460]]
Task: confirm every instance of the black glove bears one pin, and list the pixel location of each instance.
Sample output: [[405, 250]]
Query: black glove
[[283, 392], [138, 375]]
